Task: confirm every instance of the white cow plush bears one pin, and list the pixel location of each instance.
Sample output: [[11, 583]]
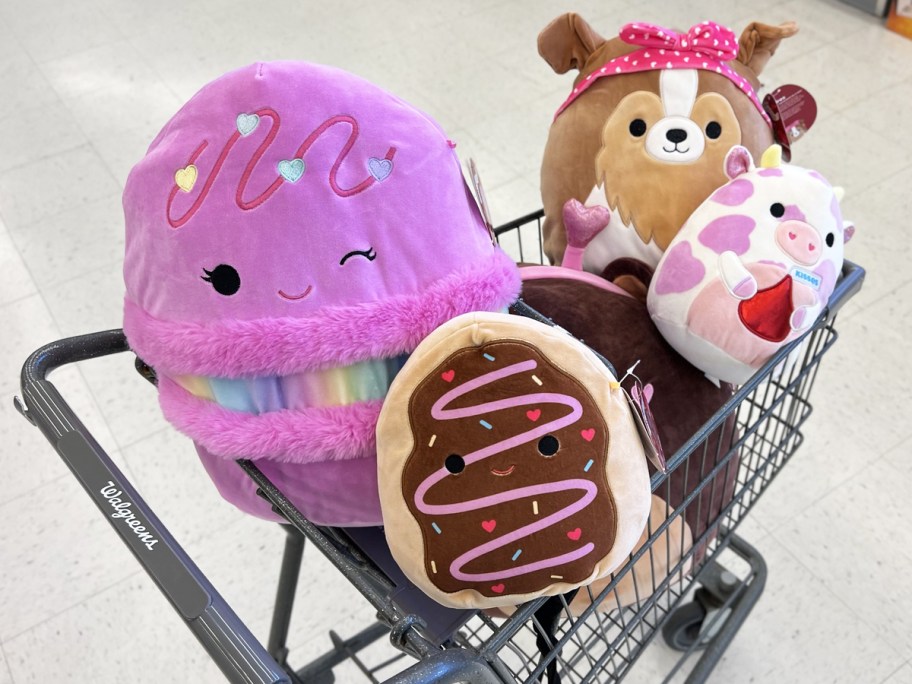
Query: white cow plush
[[752, 268]]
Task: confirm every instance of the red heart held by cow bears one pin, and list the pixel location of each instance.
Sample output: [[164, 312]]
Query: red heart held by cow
[[575, 534], [588, 434], [533, 415], [498, 588], [489, 525], [448, 375]]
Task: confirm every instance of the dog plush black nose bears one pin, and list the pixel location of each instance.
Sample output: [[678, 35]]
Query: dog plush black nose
[[676, 135]]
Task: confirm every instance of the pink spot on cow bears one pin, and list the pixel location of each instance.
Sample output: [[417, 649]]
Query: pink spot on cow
[[770, 172], [728, 233], [733, 194], [793, 213], [681, 271]]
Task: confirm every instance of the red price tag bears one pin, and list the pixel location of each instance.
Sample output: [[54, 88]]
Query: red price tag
[[793, 111]]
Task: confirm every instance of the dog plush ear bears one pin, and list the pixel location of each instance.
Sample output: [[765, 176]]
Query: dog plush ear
[[759, 42], [567, 42]]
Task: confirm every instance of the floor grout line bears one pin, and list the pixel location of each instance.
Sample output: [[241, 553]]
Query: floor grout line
[[68, 609]]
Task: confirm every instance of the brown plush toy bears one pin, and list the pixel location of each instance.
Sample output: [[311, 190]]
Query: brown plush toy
[[646, 128], [618, 326]]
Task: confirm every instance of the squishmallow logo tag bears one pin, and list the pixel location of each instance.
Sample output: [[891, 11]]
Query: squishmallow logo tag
[[806, 277]]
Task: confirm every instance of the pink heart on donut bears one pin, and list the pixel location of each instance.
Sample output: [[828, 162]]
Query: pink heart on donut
[[448, 375], [575, 534], [588, 434], [498, 588], [533, 415], [489, 525]]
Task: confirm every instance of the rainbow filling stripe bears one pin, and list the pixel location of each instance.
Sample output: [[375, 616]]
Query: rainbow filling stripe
[[342, 386]]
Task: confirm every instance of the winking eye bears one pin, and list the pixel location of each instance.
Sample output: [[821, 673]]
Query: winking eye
[[368, 254]]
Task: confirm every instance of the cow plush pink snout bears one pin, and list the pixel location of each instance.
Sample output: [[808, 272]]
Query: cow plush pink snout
[[800, 241]]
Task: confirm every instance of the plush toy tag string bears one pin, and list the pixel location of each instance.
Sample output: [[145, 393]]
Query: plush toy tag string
[[638, 398], [481, 198]]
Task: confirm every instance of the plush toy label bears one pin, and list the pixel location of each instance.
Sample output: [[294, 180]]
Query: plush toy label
[[793, 111], [481, 198], [638, 398]]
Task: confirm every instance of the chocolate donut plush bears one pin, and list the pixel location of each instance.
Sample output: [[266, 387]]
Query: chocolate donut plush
[[509, 464]]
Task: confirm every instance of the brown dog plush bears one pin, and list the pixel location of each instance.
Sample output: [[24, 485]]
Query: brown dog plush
[[647, 126]]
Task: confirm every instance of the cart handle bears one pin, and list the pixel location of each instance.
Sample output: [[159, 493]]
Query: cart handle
[[225, 637]]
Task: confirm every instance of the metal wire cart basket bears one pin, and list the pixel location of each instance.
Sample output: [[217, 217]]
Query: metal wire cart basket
[[694, 601]]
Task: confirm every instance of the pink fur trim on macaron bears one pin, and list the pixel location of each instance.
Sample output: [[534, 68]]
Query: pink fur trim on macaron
[[333, 336], [331, 433]]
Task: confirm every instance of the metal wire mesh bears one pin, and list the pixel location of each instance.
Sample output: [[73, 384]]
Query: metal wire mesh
[[601, 631], [752, 438], [719, 473], [604, 641]]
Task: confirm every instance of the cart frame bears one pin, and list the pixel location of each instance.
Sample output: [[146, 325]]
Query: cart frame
[[599, 644]]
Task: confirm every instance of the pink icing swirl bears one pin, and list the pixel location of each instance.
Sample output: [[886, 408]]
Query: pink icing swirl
[[246, 205], [587, 489]]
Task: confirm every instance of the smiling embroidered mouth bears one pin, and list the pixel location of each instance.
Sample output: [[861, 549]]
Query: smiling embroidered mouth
[[675, 149], [503, 473], [297, 296]]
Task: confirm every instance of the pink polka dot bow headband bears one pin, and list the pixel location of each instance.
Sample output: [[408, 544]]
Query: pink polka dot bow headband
[[708, 39], [707, 46]]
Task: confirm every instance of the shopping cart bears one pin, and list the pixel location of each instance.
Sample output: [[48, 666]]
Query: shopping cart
[[696, 602]]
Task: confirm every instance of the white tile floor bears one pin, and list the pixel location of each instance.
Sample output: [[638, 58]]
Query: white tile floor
[[83, 89]]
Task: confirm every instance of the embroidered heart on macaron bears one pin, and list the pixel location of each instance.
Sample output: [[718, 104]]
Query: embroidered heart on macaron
[[247, 123], [379, 168], [186, 177], [291, 169]]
